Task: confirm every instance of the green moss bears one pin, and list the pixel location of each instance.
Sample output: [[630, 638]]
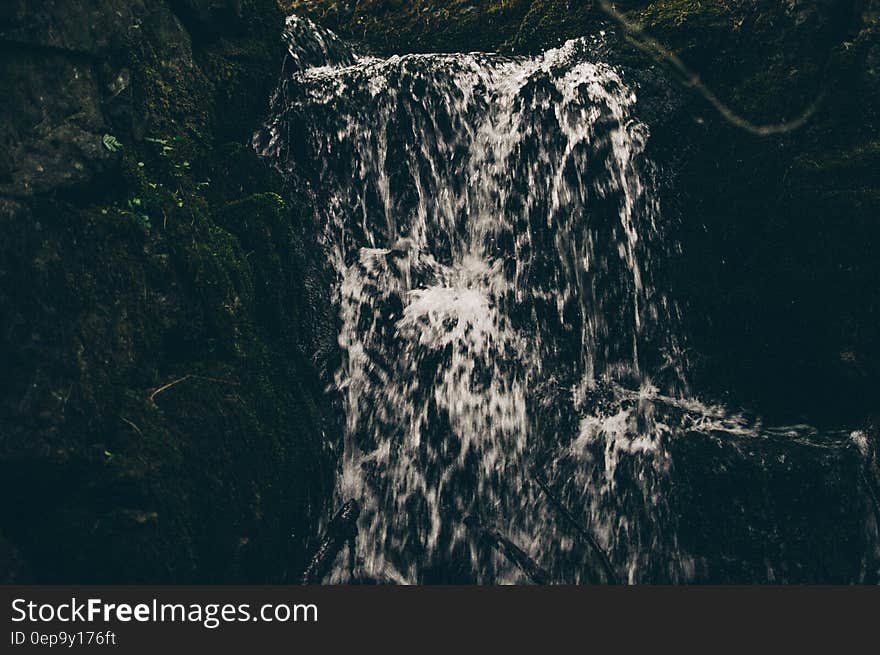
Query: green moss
[[667, 14]]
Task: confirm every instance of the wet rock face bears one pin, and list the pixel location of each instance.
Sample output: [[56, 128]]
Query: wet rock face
[[777, 510], [160, 303]]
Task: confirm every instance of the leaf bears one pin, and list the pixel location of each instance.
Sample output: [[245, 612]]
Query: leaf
[[111, 143]]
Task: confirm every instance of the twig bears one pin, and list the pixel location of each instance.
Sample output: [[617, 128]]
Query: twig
[[586, 536], [342, 530], [166, 387], [134, 427], [190, 376], [646, 43], [510, 551]]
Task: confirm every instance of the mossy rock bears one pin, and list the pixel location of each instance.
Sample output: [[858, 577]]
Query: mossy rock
[[161, 419]]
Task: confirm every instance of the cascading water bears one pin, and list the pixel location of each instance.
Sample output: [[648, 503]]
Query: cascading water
[[511, 374]]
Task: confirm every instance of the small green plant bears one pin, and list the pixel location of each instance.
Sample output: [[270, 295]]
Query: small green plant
[[111, 143], [164, 144], [137, 211]]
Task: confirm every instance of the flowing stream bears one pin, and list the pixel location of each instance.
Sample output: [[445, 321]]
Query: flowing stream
[[513, 376]]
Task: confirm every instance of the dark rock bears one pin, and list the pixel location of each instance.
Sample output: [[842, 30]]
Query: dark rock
[[83, 27], [773, 508], [54, 125], [215, 17]]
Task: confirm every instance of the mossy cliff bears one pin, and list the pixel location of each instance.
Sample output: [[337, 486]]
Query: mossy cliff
[[160, 410], [780, 271]]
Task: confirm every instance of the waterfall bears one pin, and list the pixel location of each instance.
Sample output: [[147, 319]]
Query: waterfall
[[512, 372]]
